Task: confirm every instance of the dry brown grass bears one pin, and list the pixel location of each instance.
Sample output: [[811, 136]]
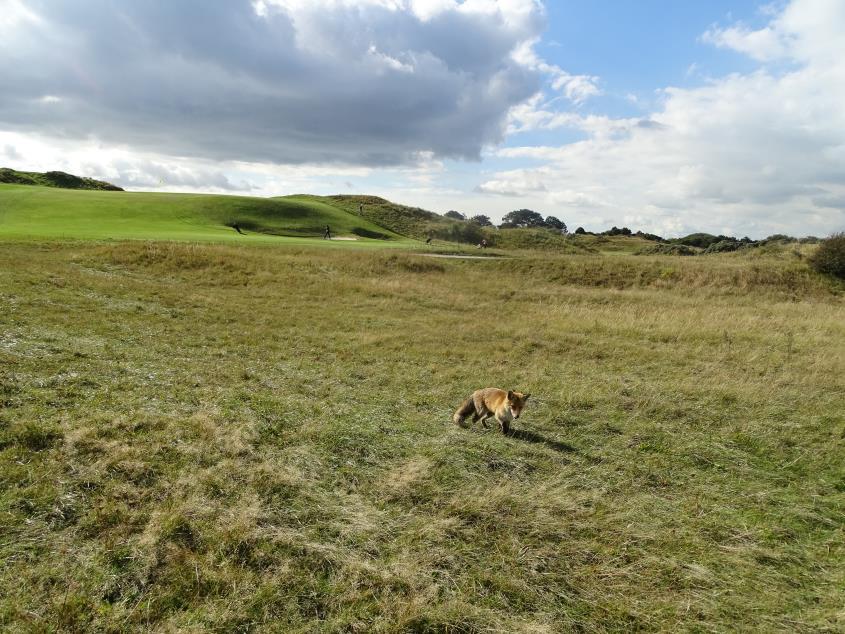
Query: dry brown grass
[[227, 439]]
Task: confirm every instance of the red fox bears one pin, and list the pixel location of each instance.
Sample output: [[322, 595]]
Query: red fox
[[491, 401]]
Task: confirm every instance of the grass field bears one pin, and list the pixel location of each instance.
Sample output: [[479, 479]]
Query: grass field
[[229, 438], [28, 212]]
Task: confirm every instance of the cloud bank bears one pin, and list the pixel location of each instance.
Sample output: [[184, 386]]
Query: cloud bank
[[370, 82]]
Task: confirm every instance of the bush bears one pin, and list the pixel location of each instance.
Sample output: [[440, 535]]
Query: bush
[[666, 249], [522, 218], [723, 246], [467, 232], [650, 236], [700, 240], [481, 220], [778, 237], [829, 258]]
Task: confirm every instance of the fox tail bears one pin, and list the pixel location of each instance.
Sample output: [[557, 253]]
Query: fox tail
[[466, 408]]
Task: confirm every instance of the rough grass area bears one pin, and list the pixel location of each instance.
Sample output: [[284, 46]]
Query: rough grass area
[[217, 438], [412, 222], [537, 239]]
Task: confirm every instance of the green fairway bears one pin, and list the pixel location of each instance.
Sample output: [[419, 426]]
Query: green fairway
[[28, 212]]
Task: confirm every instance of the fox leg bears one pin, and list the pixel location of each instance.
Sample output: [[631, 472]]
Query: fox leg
[[484, 418], [504, 425]]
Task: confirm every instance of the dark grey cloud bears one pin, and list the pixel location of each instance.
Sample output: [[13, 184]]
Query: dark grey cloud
[[341, 83], [832, 202]]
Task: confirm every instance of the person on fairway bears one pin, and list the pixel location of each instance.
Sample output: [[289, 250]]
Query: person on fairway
[[328, 234]]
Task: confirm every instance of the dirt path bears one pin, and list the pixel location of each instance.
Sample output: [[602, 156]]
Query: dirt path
[[461, 257]]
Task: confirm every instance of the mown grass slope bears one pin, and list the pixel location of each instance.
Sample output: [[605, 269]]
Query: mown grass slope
[[41, 212], [223, 438]]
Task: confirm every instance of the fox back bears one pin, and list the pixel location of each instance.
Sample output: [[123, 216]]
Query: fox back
[[504, 405]]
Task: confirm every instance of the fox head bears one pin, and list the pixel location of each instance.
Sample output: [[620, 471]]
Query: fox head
[[516, 402]]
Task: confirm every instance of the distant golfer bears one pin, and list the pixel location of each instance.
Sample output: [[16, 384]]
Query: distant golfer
[[328, 234], [360, 209]]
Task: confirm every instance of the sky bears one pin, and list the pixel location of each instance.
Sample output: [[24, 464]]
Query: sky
[[663, 116]]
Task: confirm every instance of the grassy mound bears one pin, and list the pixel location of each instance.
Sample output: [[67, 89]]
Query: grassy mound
[[611, 245], [40, 212], [54, 179], [536, 239], [412, 222]]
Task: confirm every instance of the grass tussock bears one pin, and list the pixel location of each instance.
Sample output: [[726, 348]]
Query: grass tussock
[[228, 439], [728, 275]]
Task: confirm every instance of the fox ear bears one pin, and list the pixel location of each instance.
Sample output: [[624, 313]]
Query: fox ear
[[525, 398], [510, 395]]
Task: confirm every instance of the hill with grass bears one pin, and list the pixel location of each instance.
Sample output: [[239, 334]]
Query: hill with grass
[[420, 224], [61, 180], [47, 212], [28, 211], [412, 222]]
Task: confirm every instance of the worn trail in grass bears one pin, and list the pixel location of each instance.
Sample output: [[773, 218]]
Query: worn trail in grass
[[256, 439]]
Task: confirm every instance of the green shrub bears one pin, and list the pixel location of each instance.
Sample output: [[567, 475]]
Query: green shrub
[[723, 246], [457, 231], [829, 258], [666, 249], [700, 240]]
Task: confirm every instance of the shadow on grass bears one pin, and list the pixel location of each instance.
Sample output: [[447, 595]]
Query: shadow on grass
[[530, 436], [557, 445]]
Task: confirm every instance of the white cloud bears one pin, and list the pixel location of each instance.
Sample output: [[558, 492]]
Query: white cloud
[[14, 13], [808, 31], [760, 152], [575, 88], [763, 44], [516, 183]]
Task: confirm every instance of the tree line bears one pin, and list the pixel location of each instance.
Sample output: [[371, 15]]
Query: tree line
[[517, 219], [527, 218]]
